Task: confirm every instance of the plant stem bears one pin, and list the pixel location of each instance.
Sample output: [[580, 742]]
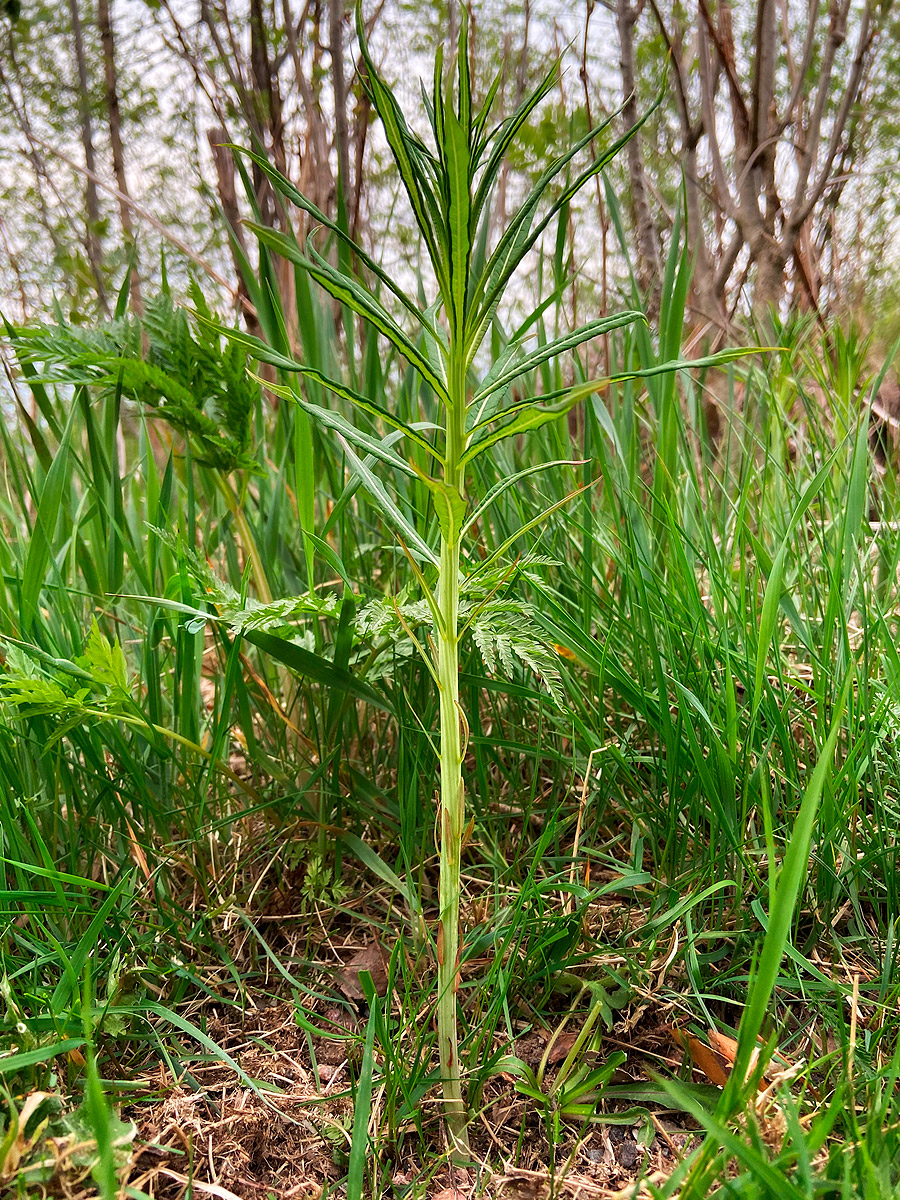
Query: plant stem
[[451, 830], [452, 802]]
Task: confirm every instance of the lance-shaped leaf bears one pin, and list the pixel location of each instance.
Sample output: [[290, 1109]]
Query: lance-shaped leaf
[[387, 507], [520, 237], [479, 141], [335, 421], [410, 156], [435, 108], [496, 555], [40, 547], [517, 238], [497, 379], [499, 488], [261, 351], [296, 197], [356, 297], [528, 417], [363, 402], [313, 666], [489, 407], [552, 401], [464, 83], [256, 348], [435, 342], [459, 234], [505, 134]]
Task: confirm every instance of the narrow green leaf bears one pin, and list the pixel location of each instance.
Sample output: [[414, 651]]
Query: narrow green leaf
[[356, 297], [526, 419], [459, 235], [313, 666], [519, 236], [297, 198], [362, 402], [582, 391], [40, 547], [499, 488], [506, 133], [790, 881], [331, 419], [362, 1108], [569, 341], [409, 155], [389, 509], [449, 505], [11, 1064], [774, 585], [720, 1134], [376, 864]]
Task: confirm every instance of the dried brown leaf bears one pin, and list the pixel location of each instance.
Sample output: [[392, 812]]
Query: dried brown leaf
[[370, 958]]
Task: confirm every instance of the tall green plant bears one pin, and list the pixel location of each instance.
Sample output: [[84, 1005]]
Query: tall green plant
[[449, 184]]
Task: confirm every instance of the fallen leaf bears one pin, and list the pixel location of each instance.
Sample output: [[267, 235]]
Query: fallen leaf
[[371, 959], [716, 1059], [518, 1184], [560, 1049], [533, 1045], [19, 1145], [714, 1066], [726, 1046]]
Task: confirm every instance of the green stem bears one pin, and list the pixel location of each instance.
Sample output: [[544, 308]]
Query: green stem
[[452, 818], [452, 802]]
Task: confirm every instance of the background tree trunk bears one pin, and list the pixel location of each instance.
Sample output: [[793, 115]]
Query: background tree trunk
[[114, 117], [92, 244], [649, 269]]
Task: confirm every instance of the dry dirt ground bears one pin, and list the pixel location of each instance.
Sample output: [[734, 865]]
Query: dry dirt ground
[[293, 1141]]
